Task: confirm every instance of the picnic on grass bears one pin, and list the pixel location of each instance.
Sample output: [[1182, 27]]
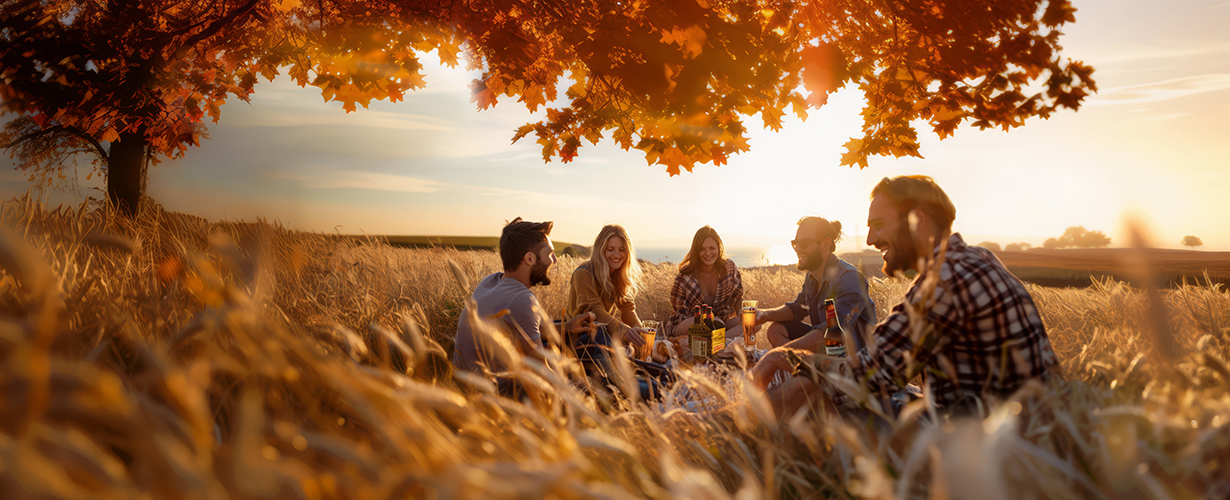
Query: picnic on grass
[[966, 332]]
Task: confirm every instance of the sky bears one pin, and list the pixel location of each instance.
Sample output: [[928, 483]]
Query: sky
[[1153, 144]]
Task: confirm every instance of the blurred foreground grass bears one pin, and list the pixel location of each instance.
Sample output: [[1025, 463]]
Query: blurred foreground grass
[[170, 357]]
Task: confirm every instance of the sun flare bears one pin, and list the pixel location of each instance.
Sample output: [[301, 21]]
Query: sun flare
[[781, 255]]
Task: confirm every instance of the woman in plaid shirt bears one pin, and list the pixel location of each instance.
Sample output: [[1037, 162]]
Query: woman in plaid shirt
[[706, 276]]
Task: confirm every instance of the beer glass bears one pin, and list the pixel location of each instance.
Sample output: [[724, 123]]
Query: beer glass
[[649, 331], [749, 325]]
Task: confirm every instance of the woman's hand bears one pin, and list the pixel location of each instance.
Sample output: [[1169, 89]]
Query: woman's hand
[[582, 323], [633, 337]]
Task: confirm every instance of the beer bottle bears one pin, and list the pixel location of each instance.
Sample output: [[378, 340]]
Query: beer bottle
[[834, 339], [699, 336]]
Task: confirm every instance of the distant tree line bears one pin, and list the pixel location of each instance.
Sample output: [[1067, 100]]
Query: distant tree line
[[1078, 237], [1073, 237]]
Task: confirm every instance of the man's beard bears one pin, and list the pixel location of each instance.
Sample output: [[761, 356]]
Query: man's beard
[[813, 260], [903, 250], [538, 274]]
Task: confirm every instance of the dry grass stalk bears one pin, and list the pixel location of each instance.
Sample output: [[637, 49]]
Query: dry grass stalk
[[170, 357]]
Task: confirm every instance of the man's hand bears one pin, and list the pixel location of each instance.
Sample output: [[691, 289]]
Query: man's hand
[[767, 367], [582, 323]]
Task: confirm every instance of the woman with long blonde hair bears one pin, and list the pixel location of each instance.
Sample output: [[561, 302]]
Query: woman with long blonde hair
[[607, 284]]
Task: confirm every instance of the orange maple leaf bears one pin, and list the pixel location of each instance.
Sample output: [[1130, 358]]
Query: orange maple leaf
[[691, 39], [854, 154], [673, 158], [481, 94], [821, 68]]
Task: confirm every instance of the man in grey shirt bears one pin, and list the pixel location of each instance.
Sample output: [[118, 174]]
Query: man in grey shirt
[[526, 253]]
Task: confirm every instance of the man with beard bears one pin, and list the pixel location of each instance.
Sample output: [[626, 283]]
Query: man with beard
[[966, 325], [828, 277], [526, 253]]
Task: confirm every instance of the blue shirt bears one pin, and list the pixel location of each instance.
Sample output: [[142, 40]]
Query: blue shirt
[[856, 312]]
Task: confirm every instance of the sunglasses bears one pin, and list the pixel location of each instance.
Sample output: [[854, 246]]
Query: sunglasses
[[802, 241]]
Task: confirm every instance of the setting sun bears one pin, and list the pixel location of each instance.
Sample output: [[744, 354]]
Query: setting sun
[[781, 255]]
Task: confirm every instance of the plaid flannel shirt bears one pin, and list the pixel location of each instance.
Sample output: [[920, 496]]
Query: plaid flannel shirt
[[686, 294], [980, 333]]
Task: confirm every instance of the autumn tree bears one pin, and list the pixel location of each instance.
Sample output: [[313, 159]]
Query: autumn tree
[[1191, 241], [126, 82], [131, 83], [1017, 247]]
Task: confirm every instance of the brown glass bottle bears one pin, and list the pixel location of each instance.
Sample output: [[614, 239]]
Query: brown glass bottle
[[834, 339], [699, 336]]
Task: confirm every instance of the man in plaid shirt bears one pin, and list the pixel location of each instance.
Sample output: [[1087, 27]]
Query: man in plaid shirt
[[967, 325]]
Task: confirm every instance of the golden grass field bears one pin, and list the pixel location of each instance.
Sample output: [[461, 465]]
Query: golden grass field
[[170, 357]]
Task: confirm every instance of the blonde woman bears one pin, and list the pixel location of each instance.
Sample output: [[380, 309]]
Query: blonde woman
[[607, 284]]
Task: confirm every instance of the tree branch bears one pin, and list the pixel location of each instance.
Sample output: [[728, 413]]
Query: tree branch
[[73, 131], [214, 28], [31, 136]]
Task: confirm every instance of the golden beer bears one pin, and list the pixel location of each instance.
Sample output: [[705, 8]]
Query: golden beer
[[649, 333], [749, 325]]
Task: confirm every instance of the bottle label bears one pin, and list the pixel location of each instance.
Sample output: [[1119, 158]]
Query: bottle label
[[698, 340], [718, 341], [836, 351], [700, 347]]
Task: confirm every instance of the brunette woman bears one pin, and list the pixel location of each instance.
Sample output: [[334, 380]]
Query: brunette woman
[[706, 276]]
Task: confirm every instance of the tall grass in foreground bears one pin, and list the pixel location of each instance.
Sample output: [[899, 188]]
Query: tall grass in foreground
[[169, 357]]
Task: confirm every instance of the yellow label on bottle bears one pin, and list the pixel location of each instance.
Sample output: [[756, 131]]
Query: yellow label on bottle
[[718, 340]]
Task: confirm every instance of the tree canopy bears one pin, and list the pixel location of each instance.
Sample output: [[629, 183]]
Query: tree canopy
[[1192, 241], [1078, 237], [131, 83]]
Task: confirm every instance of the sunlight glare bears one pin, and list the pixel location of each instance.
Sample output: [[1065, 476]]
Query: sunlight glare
[[781, 255]]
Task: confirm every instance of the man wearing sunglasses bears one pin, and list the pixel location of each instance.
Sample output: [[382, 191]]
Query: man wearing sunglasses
[[967, 326], [828, 277]]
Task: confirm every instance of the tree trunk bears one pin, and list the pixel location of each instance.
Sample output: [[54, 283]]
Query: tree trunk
[[125, 172]]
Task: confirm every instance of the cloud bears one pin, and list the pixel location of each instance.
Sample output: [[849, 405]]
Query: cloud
[[1161, 91], [330, 178], [1159, 118], [515, 158], [338, 179], [1143, 52], [361, 118]]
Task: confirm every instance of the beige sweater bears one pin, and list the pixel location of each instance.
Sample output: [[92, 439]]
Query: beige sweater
[[583, 296]]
